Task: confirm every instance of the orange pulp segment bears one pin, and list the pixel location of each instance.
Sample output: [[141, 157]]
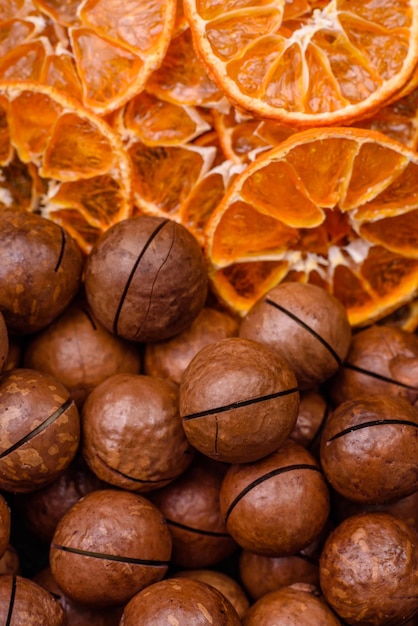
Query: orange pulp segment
[[307, 63], [337, 207]]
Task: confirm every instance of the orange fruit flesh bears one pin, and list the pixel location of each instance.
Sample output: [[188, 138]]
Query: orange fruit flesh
[[74, 160], [336, 207], [307, 63]]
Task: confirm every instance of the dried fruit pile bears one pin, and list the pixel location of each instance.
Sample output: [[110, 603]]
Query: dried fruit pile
[[111, 110]]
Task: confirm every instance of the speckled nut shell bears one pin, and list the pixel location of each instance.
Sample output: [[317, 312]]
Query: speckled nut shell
[[261, 574], [297, 605], [369, 449], [190, 506], [4, 343], [146, 279], [169, 359], [23, 601], [369, 570], [405, 508], [77, 350], [39, 430], [77, 614], [238, 400], [381, 359], [178, 601], [313, 412], [151, 449], [40, 270], [109, 546], [42, 509], [278, 505], [227, 585], [306, 324]]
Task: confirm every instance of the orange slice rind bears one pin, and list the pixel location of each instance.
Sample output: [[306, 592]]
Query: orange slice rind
[[307, 64], [322, 207]]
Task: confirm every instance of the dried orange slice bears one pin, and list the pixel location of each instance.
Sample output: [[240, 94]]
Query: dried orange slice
[[118, 45], [80, 163], [182, 78], [337, 207], [164, 176], [101, 51], [307, 63], [156, 122], [398, 120]]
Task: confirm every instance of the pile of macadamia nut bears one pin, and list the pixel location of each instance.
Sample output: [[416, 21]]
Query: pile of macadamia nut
[[165, 463]]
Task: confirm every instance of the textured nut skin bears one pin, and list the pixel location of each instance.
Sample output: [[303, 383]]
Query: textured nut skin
[[313, 412], [369, 448], [146, 279], [4, 343], [261, 574], [311, 329], [369, 570], [388, 359], [23, 601], [151, 449], [77, 350], [405, 508], [30, 459], [179, 601], [10, 561], [229, 587], [40, 271], [42, 509], [190, 505], [290, 606], [5, 525], [78, 614], [238, 400], [274, 506], [169, 359], [114, 523]]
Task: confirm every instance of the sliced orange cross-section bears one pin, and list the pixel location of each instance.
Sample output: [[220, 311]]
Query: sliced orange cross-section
[[102, 51], [80, 173], [337, 207], [307, 62]]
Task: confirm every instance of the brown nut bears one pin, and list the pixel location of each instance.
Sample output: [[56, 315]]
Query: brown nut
[[305, 324], [109, 546], [381, 359], [261, 574], [77, 350], [296, 605], [169, 359], [369, 448], [180, 601], [146, 279], [238, 400], [40, 270], [369, 570], [39, 430], [278, 505], [42, 509], [22, 601], [227, 585], [132, 432], [190, 506]]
